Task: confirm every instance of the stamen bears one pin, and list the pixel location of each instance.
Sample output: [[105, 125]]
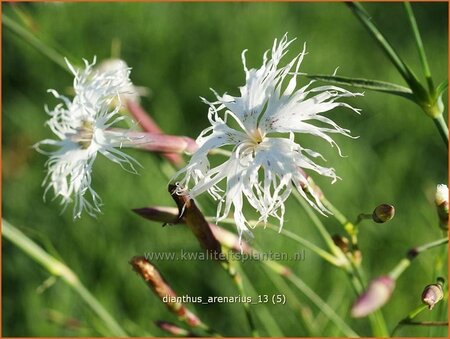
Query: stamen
[[83, 135]]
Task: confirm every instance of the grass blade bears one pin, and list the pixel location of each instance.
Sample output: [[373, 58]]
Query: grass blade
[[404, 70], [59, 269], [35, 42]]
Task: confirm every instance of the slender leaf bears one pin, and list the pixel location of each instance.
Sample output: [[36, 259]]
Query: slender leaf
[[373, 85], [420, 48], [442, 87], [35, 42], [404, 70], [59, 269]]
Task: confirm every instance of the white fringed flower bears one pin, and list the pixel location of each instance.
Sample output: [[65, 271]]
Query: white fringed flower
[[130, 92], [82, 127], [266, 163], [441, 194]]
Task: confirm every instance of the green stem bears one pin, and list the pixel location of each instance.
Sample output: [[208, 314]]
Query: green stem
[[361, 217], [263, 313], [304, 314], [377, 322], [420, 48], [237, 279], [412, 253], [320, 227], [366, 20], [59, 269], [430, 245], [314, 248], [35, 42], [427, 323], [442, 127], [411, 315], [311, 295]]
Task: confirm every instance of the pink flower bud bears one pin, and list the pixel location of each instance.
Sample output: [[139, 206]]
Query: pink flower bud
[[167, 215], [441, 200], [432, 294], [173, 329], [376, 295]]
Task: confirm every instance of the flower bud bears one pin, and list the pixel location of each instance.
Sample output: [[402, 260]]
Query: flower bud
[[167, 215], [163, 291], [432, 294], [383, 213], [195, 220], [376, 295], [341, 242], [441, 200], [173, 329]]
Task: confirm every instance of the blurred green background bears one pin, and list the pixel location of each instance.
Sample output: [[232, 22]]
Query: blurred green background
[[179, 51]]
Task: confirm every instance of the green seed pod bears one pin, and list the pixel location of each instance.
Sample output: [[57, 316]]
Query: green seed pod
[[383, 213]]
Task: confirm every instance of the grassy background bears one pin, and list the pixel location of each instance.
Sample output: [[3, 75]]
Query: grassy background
[[179, 51]]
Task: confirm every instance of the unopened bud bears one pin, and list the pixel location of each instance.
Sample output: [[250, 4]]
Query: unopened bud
[[173, 329], [341, 242], [357, 256], [167, 215], [194, 218], [376, 295], [432, 294], [163, 291], [383, 213], [441, 200]]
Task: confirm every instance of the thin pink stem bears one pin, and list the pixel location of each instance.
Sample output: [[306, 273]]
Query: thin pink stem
[[149, 125]]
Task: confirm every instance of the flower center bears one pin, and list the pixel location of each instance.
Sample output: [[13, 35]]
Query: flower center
[[256, 136], [83, 135]]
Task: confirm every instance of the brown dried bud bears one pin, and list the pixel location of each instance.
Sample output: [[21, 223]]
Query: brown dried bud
[[167, 215], [376, 295], [383, 213], [432, 294], [163, 291], [194, 218], [341, 242]]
